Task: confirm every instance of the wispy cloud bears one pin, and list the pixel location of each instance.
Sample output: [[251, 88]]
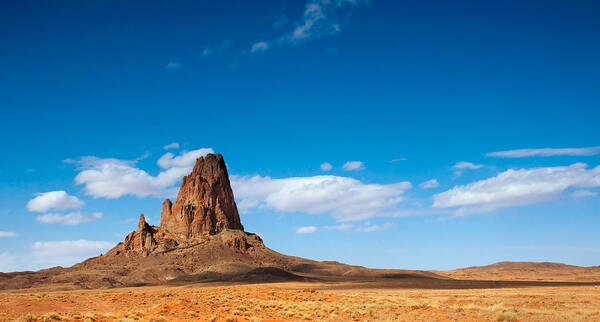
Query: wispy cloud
[[341, 227], [53, 200], [398, 159], [517, 187], [44, 254], [346, 199], [259, 47], [584, 193], [466, 165], [306, 230], [319, 19], [113, 178], [70, 248], [546, 152], [326, 166], [73, 218], [173, 65], [369, 228], [353, 166], [211, 50], [459, 167], [433, 183], [173, 145], [7, 234]]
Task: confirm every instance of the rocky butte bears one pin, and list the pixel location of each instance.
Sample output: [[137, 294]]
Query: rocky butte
[[200, 238], [205, 203], [204, 206]]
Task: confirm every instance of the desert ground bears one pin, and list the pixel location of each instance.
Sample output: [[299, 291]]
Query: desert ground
[[294, 301]]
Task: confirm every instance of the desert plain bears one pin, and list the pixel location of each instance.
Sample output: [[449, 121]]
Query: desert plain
[[298, 301]]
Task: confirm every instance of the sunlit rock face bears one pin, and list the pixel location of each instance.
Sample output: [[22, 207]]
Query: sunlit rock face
[[205, 203]]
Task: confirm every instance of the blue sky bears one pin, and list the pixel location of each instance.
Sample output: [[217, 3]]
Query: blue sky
[[92, 92]]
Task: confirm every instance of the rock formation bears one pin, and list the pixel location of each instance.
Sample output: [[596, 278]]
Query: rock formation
[[145, 240], [204, 207], [205, 203], [200, 238]]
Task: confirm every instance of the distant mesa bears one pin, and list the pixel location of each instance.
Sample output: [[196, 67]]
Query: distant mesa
[[527, 271]]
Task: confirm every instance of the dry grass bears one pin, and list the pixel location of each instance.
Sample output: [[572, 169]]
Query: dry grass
[[303, 302]]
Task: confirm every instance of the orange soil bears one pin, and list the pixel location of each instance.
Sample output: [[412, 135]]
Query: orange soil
[[304, 301]]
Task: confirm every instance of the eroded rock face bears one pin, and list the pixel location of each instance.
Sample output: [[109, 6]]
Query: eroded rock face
[[145, 240], [205, 203], [204, 208]]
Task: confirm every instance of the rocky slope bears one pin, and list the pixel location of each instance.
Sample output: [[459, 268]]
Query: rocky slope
[[200, 238]]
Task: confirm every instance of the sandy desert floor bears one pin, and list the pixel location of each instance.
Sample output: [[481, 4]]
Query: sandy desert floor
[[304, 301]]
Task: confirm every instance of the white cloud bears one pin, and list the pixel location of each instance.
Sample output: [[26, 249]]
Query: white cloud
[[517, 187], [466, 165], [183, 160], [144, 156], [113, 178], [369, 228], [54, 253], [173, 65], [306, 230], [10, 262], [245, 205], [462, 165], [398, 159], [346, 199], [584, 193], [173, 145], [366, 228], [260, 46], [55, 200], [70, 248], [320, 18], [433, 183], [353, 166], [73, 218], [7, 234], [547, 152], [326, 166], [341, 227]]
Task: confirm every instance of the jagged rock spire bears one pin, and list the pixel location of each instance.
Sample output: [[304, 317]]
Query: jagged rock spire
[[205, 203], [142, 224]]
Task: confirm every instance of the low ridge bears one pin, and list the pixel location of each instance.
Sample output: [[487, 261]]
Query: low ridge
[[526, 271]]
